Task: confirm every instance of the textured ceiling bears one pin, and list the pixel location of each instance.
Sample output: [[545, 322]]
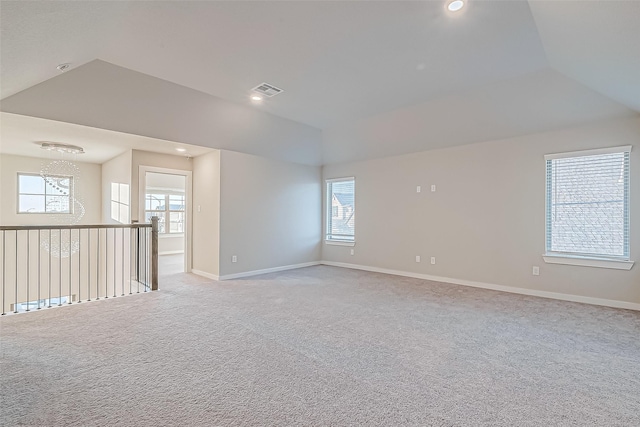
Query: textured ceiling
[[379, 78]]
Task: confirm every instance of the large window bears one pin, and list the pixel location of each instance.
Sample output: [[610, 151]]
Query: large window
[[45, 194], [341, 210], [169, 208], [587, 209]]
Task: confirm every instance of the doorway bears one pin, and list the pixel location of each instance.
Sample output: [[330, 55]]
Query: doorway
[[167, 195]]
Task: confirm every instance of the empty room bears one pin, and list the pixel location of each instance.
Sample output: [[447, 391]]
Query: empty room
[[320, 213]]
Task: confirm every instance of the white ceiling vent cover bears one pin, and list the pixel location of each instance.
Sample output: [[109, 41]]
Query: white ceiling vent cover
[[267, 90]]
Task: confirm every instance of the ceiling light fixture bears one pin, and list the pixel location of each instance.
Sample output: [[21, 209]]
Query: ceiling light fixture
[[182, 150], [62, 148], [455, 5], [256, 98]]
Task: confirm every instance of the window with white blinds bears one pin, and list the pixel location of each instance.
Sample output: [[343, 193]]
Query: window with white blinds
[[587, 209], [341, 210]]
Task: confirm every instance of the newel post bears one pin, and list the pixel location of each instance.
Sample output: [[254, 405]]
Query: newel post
[[154, 253]]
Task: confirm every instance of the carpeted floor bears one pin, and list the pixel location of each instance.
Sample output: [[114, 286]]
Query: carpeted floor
[[321, 346]]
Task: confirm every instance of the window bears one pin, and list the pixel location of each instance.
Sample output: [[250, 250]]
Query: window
[[169, 208], [587, 209], [341, 210], [45, 194]]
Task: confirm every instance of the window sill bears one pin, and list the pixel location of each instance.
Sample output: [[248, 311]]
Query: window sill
[[168, 235], [339, 243], [588, 262]]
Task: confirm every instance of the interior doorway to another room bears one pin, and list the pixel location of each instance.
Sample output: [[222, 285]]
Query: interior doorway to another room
[[167, 196]]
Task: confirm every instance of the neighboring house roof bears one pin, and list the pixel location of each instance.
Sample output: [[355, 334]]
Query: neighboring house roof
[[345, 199]]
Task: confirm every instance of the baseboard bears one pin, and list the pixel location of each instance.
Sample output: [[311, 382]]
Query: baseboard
[[268, 270], [494, 287], [170, 252], [205, 274]]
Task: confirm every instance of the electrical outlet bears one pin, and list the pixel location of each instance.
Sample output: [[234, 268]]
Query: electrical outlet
[[433, 188], [353, 251], [536, 270], [418, 189], [198, 208], [433, 260], [417, 258], [234, 258]]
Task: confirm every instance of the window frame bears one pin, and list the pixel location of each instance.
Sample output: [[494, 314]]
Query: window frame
[[622, 262], [328, 212], [167, 211], [70, 196]]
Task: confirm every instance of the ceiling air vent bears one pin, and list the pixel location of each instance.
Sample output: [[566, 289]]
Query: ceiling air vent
[[267, 90]]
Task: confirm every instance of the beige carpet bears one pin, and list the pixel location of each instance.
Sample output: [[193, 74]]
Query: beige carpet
[[321, 346]]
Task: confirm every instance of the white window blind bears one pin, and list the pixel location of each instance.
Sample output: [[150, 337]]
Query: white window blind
[[341, 209], [587, 209]]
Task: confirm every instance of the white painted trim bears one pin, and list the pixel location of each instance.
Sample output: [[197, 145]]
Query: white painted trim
[[339, 243], [268, 270], [171, 252], [597, 151], [346, 178], [491, 286], [142, 189], [205, 274], [588, 262]]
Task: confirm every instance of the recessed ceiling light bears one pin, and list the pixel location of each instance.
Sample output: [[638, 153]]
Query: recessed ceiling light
[[455, 5], [182, 150], [256, 98]]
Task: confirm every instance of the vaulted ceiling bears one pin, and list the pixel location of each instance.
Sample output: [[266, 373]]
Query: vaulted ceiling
[[361, 79]]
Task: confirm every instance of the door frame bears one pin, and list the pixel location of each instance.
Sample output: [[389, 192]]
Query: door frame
[[142, 191]]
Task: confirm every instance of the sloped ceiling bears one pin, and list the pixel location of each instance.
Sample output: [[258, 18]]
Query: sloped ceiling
[[378, 78]]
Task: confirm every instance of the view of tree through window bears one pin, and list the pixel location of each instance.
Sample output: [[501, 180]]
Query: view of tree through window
[[341, 210]]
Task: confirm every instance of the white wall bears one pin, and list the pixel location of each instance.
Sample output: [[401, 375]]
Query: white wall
[[270, 213], [486, 221], [206, 214], [87, 188], [116, 170]]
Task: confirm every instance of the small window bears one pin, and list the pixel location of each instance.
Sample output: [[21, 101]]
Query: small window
[[587, 209], [341, 210], [170, 210], [45, 194]]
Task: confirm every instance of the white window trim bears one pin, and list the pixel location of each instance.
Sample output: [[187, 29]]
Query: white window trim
[[70, 196], [338, 242], [594, 152], [587, 261]]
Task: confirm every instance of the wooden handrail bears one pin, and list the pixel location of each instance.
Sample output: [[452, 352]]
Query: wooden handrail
[[70, 227]]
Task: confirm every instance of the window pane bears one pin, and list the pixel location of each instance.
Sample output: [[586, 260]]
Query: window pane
[[176, 202], [341, 210], [30, 184], [586, 201], [31, 204], [58, 185], [57, 204], [155, 202], [176, 222]]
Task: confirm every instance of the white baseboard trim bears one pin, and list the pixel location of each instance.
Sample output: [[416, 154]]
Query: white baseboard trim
[[205, 274], [170, 252], [494, 287], [268, 270]]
